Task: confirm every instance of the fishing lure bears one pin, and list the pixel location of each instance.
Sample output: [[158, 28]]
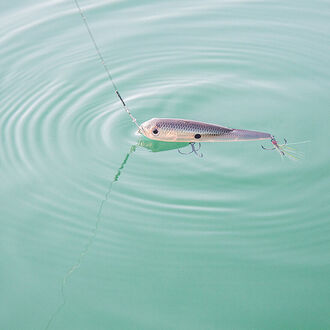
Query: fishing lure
[[182, 130]]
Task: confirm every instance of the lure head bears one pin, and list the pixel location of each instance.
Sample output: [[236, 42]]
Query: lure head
[[154, 130]]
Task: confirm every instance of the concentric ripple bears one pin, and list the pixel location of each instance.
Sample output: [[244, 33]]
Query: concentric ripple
[[166, 234]]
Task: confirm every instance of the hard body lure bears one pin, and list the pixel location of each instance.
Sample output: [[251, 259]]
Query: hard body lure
[[183, 130]]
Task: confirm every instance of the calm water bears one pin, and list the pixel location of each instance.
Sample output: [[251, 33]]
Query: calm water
[[100, 230]]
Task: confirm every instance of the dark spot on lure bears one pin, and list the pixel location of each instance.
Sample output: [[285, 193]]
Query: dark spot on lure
[[197, 136]]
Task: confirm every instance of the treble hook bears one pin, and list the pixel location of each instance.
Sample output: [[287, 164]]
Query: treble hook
[[193, 150], [276, 146]]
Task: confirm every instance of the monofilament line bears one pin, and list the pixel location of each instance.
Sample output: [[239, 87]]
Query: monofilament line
[[104, 64]]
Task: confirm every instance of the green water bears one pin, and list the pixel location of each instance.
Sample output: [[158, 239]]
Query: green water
[[102, 230]]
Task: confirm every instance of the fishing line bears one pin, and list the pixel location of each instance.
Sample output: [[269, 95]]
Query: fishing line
[[105, 65]]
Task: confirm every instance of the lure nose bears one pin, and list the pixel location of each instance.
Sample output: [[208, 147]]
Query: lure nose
[[146, 128]]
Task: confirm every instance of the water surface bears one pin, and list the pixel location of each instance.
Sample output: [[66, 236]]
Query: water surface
[[133, 235]]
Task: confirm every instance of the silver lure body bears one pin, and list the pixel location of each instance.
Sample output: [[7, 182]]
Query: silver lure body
[[182, 130]]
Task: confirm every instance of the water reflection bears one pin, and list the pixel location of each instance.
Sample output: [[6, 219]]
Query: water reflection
[[157, 146]]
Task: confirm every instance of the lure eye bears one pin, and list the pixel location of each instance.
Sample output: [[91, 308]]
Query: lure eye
[[197, 136], [155, 131]]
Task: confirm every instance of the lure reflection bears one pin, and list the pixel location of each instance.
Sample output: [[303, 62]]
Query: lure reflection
[[157, 146]]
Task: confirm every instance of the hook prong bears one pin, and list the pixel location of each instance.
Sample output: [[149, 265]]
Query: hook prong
[[193, 150], [267, 148], [185, 153]]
